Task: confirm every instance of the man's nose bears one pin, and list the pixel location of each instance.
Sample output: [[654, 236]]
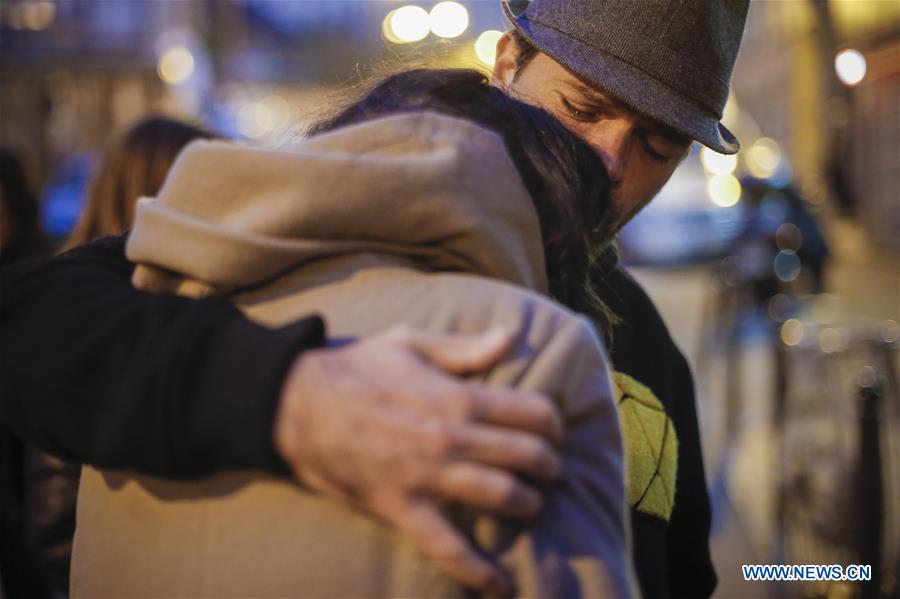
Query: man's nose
[[612, 145]]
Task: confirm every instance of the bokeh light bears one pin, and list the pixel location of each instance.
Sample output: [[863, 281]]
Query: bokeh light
[[850, 66], [388, 31], [724, 190], [890, 332], [272, 112], [718, 164], [247, 123], [763, 158], [176, 65], [867, 377], [788, 237], [781, 306], [254, 119], [486, 46], [792, 332], [787, 266], [408, 24], [448, 19]]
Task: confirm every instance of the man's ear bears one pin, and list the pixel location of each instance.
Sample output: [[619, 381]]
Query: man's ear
[[505, 61]]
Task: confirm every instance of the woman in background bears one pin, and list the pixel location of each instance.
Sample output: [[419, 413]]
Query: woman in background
[[135, 165]]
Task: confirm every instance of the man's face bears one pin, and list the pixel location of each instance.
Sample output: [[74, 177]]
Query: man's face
[[639, 153]]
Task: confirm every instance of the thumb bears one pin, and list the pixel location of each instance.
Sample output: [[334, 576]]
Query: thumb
[[458, 353]]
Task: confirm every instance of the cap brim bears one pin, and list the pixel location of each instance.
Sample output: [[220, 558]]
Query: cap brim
[[628, 84]]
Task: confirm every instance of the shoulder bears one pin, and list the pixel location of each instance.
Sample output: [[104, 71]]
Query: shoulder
[[497, 304], [556, 350]]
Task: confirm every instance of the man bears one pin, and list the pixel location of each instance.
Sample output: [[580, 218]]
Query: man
[[130, 355], [640, 81]]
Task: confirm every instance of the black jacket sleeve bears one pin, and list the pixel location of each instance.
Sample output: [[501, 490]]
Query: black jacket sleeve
[[95, 371]]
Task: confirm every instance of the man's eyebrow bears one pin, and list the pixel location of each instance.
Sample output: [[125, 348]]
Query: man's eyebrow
[[597, 97], [593, 95]]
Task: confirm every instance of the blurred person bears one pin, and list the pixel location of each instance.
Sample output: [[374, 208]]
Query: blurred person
[[133, 166], [638, 82], [771, 207], [386, 216], [21, 237]]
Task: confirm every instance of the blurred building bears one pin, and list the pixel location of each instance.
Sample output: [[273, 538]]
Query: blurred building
[[74, 71], [841, 137]]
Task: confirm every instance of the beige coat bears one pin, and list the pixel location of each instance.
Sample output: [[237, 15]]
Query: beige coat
[[418, 219]]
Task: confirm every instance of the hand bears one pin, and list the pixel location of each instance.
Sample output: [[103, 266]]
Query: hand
[[380, 424]]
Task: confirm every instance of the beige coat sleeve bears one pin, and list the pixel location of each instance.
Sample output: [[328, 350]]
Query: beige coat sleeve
[[579, 546]]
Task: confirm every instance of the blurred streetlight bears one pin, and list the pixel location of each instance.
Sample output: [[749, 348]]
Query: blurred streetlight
[[387, 29], [486, 46], [724, 190], [247, 121], [792, 332], [272, 112], [406, 24], [850, 66], [176, 65], [255, 119], [763, 158], [448, 19], [718, 164]]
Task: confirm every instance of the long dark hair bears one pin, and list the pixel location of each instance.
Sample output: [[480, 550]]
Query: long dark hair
[[134, 165], [567, 182]]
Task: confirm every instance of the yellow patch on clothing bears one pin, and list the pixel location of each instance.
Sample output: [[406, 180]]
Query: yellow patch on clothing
[[651, 447]]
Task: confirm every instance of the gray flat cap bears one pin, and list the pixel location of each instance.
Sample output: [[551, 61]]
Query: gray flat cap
[[669, 59]]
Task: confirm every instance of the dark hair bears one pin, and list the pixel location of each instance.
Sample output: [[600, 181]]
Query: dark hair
[[525, 51], [134, 165], [20, 230], [566, 180]]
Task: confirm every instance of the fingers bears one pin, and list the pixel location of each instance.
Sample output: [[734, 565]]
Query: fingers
[[437, 539], [459, 354], [522, 410], [489, 489], [510, 450], [466, 354]]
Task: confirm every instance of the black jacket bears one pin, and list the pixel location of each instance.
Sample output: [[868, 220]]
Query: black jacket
[[672, 558], [94, 371]]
